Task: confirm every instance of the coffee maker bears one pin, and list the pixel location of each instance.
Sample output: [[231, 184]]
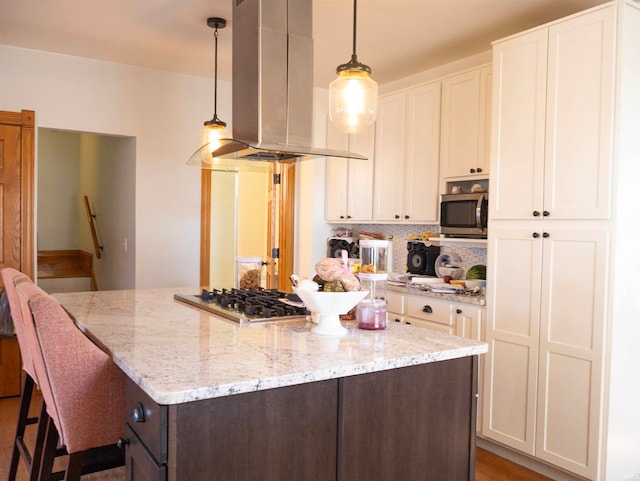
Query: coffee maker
[[421, 258]]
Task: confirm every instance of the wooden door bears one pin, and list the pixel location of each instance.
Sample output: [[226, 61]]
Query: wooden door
[[16, 221]]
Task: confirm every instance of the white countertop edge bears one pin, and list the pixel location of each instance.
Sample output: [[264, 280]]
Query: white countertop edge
[[241, 387]]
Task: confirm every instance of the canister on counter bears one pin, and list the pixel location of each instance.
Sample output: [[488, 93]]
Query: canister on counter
[[371, 314], [248, 272], [373, 256]]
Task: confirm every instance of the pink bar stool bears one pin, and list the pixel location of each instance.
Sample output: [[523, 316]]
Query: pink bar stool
[[83, 391], [11, 277]]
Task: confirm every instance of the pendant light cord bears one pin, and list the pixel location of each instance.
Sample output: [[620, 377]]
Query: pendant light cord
[[215, 76], [355, 8]]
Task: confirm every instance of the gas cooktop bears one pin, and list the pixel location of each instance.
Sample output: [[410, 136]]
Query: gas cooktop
[[247, 305]]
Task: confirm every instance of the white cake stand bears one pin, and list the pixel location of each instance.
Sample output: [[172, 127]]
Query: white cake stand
[[328, 306]]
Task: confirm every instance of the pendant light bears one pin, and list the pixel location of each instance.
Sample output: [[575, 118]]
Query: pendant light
[[214, 130], [353, 96]]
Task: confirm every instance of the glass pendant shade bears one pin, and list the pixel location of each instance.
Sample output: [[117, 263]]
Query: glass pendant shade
[[353, 101], [210, 139], [353, 96]]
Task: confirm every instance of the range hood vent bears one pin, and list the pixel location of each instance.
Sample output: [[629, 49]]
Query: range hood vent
[[273, 83]]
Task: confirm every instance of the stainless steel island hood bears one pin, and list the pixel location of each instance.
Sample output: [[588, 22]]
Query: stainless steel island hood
[[273, 83]]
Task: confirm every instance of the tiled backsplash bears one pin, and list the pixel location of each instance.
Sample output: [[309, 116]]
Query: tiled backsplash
[[469, 256]]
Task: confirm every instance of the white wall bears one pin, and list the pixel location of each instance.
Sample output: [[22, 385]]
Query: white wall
[[163, 111]]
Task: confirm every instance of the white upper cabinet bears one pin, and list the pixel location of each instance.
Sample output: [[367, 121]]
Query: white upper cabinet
[[552, 127], [466, 114], [407, 156], [389, 154], [349, 182]]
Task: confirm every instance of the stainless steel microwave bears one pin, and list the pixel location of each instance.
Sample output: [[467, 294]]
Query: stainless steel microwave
[[464, 215]]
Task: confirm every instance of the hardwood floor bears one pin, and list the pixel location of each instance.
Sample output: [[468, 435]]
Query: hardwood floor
[[489, 466]]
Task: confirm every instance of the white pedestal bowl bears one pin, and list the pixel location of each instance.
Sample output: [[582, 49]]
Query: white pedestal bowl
[[328, 306]]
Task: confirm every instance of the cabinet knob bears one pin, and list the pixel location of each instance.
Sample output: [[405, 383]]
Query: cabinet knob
[[348, 217], [478, 170], [138, 413], [472, 171], [545, 213], [397, 216], [406, 216], [545, 234], [427, 309], [458, 311], [397, 320], [535, 235], [122, 442], [408, 323], [536, 213], [342, 217]]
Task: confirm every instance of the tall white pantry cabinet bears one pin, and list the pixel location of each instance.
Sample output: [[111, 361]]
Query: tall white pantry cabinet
[[562, 376]]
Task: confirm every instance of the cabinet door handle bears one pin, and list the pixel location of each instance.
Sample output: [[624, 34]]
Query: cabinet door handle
[[545, 234], [535, 235], [397, 216], [478, 170], [536, 213], [406, 216], [397, 320], [138, 413], [348, 217], [545, 213], [458, 311], [342, 217], [472, 171], [427, 309], [122, 442], [408, 323]]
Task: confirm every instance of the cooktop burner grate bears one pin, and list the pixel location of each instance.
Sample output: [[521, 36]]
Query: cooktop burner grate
[[248, 305]]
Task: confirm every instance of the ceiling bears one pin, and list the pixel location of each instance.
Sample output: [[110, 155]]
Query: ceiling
[[395, 38]]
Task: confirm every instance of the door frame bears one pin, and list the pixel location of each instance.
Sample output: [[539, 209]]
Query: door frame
[[285, 230], [26, 120]]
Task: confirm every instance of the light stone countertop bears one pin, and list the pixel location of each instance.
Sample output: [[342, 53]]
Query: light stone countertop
[[416, 290], [177, 353]]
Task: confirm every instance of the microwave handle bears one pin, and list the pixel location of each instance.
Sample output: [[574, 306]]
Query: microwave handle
[[479, 212]]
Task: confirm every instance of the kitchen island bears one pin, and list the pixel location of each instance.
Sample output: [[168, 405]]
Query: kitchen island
[[209, 399]]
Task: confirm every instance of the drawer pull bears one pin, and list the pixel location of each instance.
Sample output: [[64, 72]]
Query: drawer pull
[[427, 309], [138, 413]]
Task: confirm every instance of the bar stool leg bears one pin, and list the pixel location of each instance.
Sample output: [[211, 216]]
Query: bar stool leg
[[19, 446], [50, 446]]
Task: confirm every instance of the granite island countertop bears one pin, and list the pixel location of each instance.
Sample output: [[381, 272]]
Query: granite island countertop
[[177, 353]]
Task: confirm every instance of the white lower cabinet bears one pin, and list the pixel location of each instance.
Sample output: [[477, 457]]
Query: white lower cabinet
[[459, 318], [545, 330]]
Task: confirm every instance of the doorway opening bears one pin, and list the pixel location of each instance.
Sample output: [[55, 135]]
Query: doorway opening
[[71, 166], [247, 214]]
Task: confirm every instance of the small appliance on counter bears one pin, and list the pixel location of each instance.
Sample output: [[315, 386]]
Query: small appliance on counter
[[421, 258], [335, 246], [371, 312]]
